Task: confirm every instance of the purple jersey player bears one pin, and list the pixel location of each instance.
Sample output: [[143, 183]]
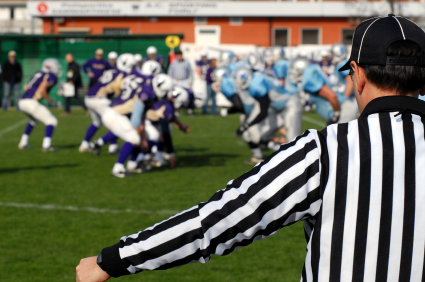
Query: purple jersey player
[[96, 101], [36, 89]]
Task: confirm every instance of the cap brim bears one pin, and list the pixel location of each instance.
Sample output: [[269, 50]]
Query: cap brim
[[345, 67]]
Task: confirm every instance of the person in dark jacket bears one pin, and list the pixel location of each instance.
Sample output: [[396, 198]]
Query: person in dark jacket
[[12, 77], [97, 66], [73, 76]]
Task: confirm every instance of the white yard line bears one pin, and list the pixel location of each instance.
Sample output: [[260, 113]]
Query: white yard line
[[87, 209], [12, 127], [314, 121]]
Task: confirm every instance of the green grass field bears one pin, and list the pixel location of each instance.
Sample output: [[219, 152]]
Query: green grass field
[[43, 236]]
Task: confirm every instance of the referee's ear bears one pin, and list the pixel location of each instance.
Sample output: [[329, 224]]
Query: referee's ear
[[422, 91], [359, 77]]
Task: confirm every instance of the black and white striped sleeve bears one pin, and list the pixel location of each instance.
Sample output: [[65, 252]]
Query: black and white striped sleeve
[[283, 189]]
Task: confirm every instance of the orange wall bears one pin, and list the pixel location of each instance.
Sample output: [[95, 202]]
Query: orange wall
[[331, 28], [253, 30]]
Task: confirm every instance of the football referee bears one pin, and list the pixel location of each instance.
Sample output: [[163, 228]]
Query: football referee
[[359, 187]]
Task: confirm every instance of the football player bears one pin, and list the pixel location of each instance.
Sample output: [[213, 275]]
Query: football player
[[112, 59], [38, 87], [277, 107], [96, 101], [153, 56], [158, 120], [139, 61], [116, 116], [315, 86]]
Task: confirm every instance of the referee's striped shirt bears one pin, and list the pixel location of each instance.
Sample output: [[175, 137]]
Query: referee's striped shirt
[[359, 187]]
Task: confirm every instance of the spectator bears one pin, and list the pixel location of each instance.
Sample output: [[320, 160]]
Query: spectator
[[12, 76], [181, 71], [210, 91], [73, 76], [96, 67]]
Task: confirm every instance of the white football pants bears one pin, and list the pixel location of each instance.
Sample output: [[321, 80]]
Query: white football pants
[[120, 125], [37, 112], [96, 107]]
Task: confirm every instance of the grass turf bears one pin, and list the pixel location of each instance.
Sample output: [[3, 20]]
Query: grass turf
[[46, 244]]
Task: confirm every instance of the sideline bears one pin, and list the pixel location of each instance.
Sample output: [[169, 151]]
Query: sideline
[[314, 121], [87, 209], [12, 127]]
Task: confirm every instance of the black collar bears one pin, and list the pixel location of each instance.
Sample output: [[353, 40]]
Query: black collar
[[395, 104]]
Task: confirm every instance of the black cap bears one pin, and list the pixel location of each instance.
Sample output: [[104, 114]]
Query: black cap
[[178, 52], [372, 38]]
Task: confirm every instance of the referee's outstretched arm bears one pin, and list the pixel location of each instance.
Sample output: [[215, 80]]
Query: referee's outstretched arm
[[359, 187]]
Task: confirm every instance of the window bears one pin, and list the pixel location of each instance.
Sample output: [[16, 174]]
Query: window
[[310, 36], [200, 20], [113, 31], [281, 37], [235, 21], [347, 35]]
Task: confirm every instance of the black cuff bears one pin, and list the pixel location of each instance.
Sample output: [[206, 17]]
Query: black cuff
[[112, 262]]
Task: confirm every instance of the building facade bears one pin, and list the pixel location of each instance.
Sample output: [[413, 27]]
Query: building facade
[[262, 23]]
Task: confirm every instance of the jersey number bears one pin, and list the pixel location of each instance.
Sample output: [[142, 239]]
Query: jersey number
[[107, 76], [34, 78], [129, 84]]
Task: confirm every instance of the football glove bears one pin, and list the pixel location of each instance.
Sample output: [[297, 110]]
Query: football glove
[[241, 129]]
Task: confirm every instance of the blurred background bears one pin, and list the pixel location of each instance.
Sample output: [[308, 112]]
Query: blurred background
[[40, 29]]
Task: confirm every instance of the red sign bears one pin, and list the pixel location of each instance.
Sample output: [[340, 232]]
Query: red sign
[[42, 8]]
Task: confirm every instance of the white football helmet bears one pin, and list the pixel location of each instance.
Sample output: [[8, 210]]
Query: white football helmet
[[52, 65], [151, 50], [297, 68], [138, 57], [162, 84], [339, 52], [126, 62], [227, 57], [179, 96], [243, 78], [324, 53], [112, 55], [220, 73], [273, 54], [151, 68]]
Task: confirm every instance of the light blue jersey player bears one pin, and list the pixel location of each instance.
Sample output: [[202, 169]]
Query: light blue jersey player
[[36, 89], [239, 64], [277, 107], [315, 83], [241, 101], [315, 86], [280, 69]]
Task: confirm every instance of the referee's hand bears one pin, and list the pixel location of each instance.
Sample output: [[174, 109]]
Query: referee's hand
[[89, 271]]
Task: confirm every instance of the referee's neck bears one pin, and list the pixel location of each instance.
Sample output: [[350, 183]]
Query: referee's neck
[[366, 91]]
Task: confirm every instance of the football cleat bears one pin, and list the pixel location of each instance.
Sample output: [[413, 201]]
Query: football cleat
[[114, 151], [84, 150], [95, 148], [121, 174], [253, 161], [142, 167], [49, 149], [24, 147]]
